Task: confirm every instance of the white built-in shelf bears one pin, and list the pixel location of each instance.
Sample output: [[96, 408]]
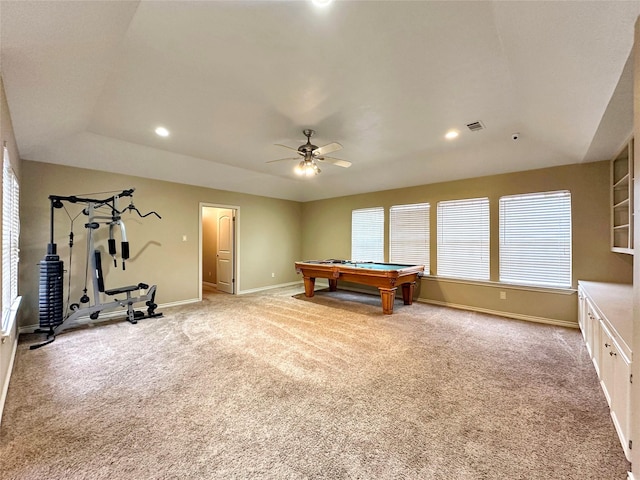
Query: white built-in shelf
[[623, 203], [622, 183], [622, 200]]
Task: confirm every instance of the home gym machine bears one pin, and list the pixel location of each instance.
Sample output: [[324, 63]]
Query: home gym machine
[[53, 319]]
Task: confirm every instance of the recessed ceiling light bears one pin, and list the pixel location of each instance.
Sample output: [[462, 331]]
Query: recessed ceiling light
[[162, 132], [321, 3], [451, 134]]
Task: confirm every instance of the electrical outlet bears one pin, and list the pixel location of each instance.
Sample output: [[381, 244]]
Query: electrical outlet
[[273, 275], [503, 295]]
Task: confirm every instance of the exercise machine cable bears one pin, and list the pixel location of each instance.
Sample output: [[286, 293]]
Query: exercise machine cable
[[53, 317]]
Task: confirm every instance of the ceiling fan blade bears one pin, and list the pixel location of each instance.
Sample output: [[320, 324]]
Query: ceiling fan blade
[[331, 147], [335, 161], [289, 148], [283, 159]]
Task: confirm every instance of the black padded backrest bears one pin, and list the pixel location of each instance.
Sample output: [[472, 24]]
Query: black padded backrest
[[98, 260]]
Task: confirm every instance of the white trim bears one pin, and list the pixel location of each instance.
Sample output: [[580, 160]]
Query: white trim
[[85, 320], [4, 335], [269, 287], [210, 284], [180, 302], [515, 316], [13, 314], [5, 386], [501, 285], [236, 245], [630, 476]]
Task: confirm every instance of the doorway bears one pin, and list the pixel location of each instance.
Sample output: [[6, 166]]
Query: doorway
[[218, 252]]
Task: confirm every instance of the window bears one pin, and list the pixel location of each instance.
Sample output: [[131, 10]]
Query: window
[[535, 239], [367, 235], [463, 238], [10, 232], [409, 234]]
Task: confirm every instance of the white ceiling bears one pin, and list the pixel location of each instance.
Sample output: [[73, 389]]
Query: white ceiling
[[88, 82]]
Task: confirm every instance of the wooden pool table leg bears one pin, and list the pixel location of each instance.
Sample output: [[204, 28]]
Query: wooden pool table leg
[[407, 292], [388, 296], [333, 284], [309, 284]]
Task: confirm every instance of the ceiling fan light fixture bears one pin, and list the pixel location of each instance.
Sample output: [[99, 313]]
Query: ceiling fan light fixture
[[162, 132], [451, 134], [309, 155], [306, 168], [321, 3], [310, 168]]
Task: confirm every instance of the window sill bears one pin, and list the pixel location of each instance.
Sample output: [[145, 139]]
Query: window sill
[[502, 285]]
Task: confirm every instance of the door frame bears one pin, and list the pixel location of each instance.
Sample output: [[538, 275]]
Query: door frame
[[236, 244]]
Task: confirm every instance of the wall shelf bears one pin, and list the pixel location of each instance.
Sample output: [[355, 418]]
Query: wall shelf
[[622, 200]]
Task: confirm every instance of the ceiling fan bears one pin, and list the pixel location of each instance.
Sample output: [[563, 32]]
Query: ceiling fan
[[309, 154]]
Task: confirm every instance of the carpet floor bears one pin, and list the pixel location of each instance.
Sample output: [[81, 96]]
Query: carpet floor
[[277, 386]]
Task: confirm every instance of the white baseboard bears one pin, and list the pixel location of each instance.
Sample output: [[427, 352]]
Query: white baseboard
[[515, 316], [270, 287], [85, 320], [320, 282], [210, 284], [630, 476], [179, 303]]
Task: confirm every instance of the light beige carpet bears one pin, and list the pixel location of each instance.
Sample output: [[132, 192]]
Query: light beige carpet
[[277, 386]]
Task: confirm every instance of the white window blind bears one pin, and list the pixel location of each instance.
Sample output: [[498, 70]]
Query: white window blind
[[10, 236], [535, 239], [463, 238], [367, 234], [409, 234]]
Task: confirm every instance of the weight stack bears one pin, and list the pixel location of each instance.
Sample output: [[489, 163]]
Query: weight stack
[[51, 291]]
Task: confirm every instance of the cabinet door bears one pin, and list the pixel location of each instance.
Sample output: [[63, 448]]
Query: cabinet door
[[582, 313], [621, 395], [606, 362], [592, 328]]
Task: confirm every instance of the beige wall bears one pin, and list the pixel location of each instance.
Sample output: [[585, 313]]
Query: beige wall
[[327, 234], [269, 234], [275, 233]]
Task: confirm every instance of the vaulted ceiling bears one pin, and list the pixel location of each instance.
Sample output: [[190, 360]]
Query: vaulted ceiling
[[88, 82]]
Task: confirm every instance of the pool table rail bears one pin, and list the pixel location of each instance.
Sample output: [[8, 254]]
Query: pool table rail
[[387, 277]]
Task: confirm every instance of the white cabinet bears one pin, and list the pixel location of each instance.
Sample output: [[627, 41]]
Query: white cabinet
[[593, 334], [621, 396], [605, 315], [605, 349], [615, 378], [582, 313]]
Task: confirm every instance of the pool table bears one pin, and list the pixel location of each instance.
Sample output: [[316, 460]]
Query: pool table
[[386, 276]]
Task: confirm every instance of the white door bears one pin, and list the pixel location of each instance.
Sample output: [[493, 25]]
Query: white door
[[224, 253]]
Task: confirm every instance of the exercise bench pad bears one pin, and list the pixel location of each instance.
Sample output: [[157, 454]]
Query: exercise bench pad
[[129, 288]]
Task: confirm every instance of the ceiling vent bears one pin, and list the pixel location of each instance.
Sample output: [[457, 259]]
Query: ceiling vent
[[475, 126]]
